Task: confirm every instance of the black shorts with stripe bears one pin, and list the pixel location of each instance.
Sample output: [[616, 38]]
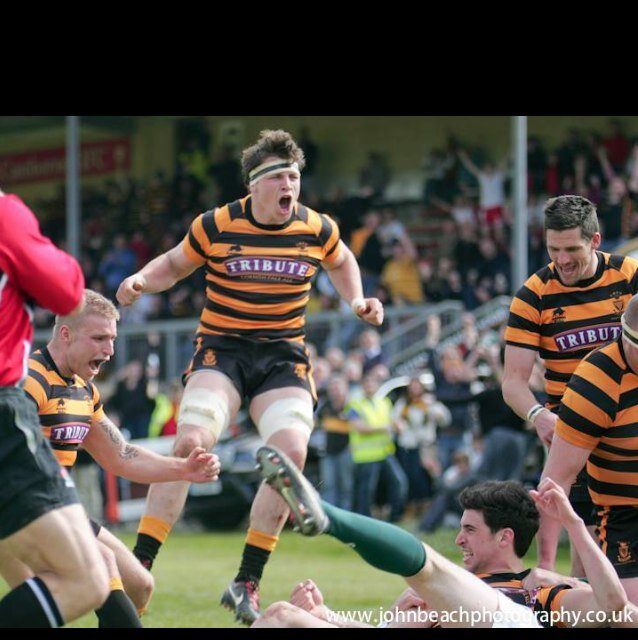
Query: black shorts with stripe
[[33, 482], [253, 366], [617, 530]]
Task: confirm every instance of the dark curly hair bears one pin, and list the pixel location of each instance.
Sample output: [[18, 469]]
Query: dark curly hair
[[504, 504], [271, 143]]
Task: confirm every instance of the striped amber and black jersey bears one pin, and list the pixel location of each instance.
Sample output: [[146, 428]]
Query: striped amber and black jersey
[[600, 412], [66, 406], [564, 323], [542, 600], [336, 426], [258, 276]]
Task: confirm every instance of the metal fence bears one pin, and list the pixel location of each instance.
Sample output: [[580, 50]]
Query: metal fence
[[490, 315], [402, 339]]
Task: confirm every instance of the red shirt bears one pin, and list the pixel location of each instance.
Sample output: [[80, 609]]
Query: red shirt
[[618, 149], [32, 271]]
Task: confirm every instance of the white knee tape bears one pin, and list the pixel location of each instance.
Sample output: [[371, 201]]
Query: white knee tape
[[288, 413], [203, 408]]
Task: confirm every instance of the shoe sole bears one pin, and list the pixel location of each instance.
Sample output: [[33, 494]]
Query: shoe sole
[[289, 482]]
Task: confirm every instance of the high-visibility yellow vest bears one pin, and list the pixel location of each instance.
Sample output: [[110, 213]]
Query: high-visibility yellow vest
[[162, 412], [377, 414]]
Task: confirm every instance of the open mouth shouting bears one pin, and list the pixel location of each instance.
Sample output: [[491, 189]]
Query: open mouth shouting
[[285, 205], [94, 365]]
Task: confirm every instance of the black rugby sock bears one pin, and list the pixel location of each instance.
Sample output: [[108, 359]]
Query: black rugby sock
[[118, 612], [30, 605], [253, 561], [146, 549]]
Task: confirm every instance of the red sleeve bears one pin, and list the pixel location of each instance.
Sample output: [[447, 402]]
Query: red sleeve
[[50, 276]]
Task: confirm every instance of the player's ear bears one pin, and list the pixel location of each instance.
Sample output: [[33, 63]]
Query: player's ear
[[65, 332], [506, 535], [596, 240]]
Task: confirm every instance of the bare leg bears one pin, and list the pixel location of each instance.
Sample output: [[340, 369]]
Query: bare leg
[[447, 587], [284, 427], [166, 499], [14, 571], [269, 511], [631, 588], [444, 586], [138, 581], [60, 548]]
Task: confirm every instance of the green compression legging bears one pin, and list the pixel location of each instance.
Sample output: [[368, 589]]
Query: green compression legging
[[382, 545]]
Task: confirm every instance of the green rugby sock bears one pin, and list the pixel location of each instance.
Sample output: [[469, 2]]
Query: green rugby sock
[[382, 545]]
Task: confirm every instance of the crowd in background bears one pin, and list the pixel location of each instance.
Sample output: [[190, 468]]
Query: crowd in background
[[454, 244], [416, 448]]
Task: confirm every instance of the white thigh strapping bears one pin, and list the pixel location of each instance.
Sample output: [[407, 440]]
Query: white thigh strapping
[[204, 408], [287, 413]]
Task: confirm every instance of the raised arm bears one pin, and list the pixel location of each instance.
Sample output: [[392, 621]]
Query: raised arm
[[159, 274], [468, 164], [110, 450], [608, 592], [608, 170], [346, 278]]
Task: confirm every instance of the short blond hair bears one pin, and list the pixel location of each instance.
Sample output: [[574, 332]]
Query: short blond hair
[[93, 303]]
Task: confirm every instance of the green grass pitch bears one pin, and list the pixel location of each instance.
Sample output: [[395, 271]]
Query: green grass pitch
[[193, 569]]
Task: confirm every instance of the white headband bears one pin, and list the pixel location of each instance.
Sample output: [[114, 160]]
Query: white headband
[[272, 166], [628, 332]]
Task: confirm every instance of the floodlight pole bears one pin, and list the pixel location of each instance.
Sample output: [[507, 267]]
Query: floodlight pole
[[73, 185], [519, 201]]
